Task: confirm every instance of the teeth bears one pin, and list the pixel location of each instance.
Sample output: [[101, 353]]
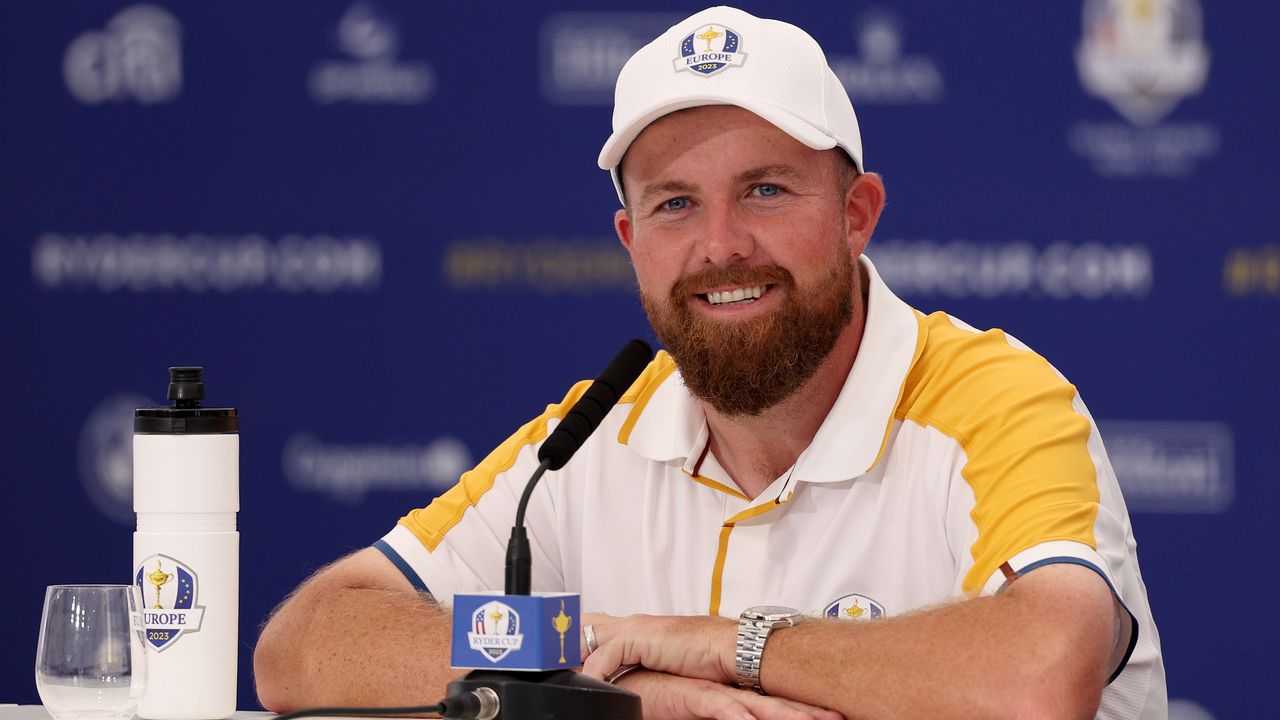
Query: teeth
[[723, 297]]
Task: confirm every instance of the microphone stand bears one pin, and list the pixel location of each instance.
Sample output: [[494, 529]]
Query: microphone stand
[[551, 694], [560, 694]]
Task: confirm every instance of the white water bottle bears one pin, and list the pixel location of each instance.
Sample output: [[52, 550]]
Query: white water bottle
[[186, 552]]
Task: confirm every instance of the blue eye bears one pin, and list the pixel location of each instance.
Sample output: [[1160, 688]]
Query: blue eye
[[678, 203], [768, 190]]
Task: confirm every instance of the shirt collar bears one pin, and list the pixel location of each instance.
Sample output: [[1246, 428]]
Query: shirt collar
[[671, 424]]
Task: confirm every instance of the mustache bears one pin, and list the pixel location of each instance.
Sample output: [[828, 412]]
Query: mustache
[[713, 278]]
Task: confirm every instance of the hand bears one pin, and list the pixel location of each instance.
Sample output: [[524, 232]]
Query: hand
[[689, 646], [669, 697]]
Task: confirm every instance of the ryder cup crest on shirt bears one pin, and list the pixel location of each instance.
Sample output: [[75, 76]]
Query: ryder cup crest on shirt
[[854, 607], [709, 50], [170, 590]]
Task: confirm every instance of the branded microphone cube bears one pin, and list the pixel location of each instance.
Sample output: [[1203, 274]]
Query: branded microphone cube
[[516, 632]]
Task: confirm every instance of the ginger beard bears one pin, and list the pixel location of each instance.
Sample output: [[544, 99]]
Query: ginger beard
[[747, 367]]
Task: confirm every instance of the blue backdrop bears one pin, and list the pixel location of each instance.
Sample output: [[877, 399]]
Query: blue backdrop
[[381, 228]]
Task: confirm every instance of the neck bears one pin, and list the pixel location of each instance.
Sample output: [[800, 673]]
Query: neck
[[756, 449]]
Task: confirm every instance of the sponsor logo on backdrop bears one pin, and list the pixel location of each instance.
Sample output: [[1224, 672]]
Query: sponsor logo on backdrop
[[170, 590], [547, 266], [137, 56], [349, 471], [205, 263], [373, 74], [582, 53], [495, 630], [1252, 271], [1172, 467], [104, 454], [989, 270], [880, 73], [1143, 57]]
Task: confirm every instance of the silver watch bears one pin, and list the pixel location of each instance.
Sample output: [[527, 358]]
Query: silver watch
[[754, 627]]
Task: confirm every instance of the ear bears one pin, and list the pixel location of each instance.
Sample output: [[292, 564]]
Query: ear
[[862, 206], [622, 225]]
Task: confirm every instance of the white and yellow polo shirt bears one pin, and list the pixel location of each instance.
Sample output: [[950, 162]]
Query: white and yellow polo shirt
[[951, 459]]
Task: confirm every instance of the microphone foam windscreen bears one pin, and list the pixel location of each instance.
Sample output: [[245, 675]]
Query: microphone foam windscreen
[[603, 394]]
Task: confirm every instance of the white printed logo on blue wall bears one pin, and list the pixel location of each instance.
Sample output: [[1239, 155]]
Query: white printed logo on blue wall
[[855, 607], [1143, 56], [709, 50], [495, 630], [137, 56], [169, 592]]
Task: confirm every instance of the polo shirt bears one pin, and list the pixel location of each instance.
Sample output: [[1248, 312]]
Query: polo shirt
[[952, 460]]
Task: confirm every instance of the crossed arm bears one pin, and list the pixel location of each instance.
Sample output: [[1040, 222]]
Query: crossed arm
[[357, 633], [1044, 648]]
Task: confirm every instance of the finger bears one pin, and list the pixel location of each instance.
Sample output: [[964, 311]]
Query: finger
[[597, 619], [772, 707], [720, 702], [588, 642], [609, 656]]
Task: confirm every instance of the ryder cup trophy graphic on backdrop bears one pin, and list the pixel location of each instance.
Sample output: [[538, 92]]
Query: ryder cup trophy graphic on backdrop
[[186, 552]]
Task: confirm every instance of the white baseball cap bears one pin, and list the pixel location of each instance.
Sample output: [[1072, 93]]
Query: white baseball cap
[[724, 56]]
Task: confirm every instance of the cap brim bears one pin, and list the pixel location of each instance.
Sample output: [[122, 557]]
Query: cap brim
[[620, 141]]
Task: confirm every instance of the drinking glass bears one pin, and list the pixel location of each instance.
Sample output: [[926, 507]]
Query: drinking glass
[[91, 663]]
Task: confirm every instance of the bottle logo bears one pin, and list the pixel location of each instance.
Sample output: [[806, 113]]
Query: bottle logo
[[169, 591]]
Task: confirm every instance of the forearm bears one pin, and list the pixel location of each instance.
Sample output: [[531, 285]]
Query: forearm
[[1042, 649], [985, 658], [332, 644]]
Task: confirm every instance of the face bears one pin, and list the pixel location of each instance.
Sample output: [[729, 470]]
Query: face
[[743, 241]]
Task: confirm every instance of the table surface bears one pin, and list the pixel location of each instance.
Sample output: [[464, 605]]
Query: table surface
[[37, 712]]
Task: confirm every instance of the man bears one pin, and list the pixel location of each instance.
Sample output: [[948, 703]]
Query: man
[[931, 507]]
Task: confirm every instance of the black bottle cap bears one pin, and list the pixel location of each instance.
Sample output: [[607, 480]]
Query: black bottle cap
[[186, 417]]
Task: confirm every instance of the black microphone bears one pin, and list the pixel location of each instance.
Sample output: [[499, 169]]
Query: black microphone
[[540, 691], [586, 414], [582, 420]]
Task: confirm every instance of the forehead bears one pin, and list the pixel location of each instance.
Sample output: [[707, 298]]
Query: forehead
[[716, 136]]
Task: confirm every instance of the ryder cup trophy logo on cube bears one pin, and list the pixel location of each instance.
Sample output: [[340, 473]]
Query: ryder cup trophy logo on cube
[[515, 632], [710, 49], [169, 591], [497, 631]]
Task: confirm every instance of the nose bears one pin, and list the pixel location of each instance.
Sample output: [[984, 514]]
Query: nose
[[726, 239]]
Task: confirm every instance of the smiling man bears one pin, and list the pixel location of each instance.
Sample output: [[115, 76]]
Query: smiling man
[[818, 502]]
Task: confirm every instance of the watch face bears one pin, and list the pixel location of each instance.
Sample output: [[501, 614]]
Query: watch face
[[772, 612]]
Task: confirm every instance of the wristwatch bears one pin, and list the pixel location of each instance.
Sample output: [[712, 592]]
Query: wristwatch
[[754, 627]]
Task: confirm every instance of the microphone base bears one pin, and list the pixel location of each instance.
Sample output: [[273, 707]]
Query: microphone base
[[551, 695]]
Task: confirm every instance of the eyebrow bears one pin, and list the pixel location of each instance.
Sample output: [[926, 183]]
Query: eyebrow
[[662, 188], [680, 186], [761, 173]]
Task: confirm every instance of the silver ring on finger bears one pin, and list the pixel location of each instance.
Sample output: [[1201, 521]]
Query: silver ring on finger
[[589, 631]]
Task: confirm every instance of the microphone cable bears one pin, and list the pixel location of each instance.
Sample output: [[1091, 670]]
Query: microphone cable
[[479, 704]]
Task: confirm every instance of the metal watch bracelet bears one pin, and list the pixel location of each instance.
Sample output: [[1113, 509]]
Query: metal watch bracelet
[[754, 627]]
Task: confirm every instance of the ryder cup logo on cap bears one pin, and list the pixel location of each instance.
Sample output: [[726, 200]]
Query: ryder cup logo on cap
[[722, 50], [786, 80], [495, 630]]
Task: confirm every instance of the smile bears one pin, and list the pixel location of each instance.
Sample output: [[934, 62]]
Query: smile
[[736, 296]]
